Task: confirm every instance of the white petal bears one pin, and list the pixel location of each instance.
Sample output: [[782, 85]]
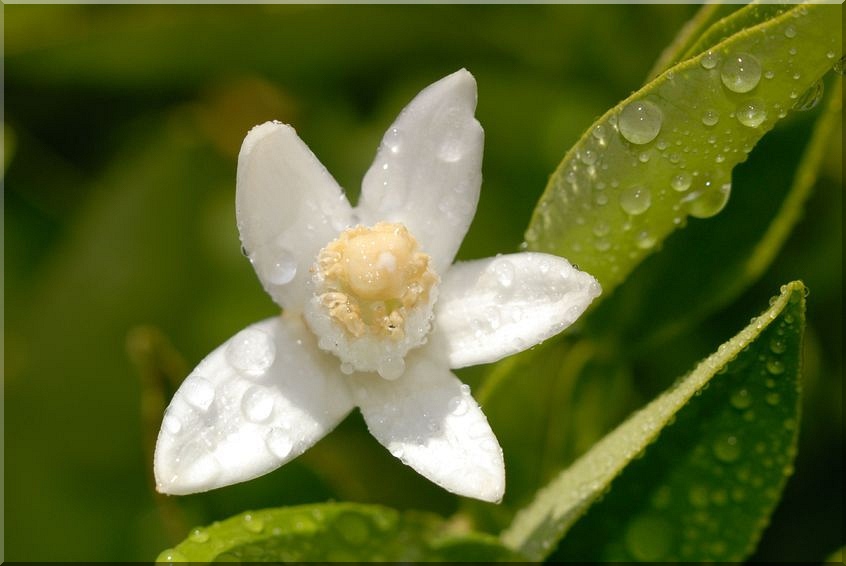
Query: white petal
[[428, 169], [256, 402], [491, 308], [288, 207], [428, 419]]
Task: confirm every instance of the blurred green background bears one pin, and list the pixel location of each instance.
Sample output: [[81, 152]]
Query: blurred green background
[[122, 127]]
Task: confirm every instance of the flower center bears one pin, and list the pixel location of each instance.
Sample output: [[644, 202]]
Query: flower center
[[373, 292]]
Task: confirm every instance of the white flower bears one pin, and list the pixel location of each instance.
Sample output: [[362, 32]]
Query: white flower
[[374, 313]]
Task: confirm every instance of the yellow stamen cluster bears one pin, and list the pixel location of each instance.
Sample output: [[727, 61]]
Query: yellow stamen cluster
[[372, 277]]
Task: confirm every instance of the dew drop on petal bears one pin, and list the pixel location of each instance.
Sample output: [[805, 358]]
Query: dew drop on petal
[[640, 122], [251, 352], [504, 272], [458, 405], [257, 404], [279, 443], [391, 367], [172, 424], [199, 392], [740, 72], [635, 200], [282, 269]]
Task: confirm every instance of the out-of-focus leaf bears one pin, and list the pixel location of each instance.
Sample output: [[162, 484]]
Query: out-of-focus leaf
[[667, 152], [732, 250], [334, 532], [697, 472]]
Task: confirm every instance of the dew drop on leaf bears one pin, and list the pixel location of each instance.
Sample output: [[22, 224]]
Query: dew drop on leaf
[[740, 72], [751, 113], [640, 122], [635, 200], [727, 448], [810, 98]]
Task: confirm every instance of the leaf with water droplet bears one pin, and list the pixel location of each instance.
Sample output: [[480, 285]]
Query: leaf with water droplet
[[748, 86], [734, 249], [333, 532], [678, 460]]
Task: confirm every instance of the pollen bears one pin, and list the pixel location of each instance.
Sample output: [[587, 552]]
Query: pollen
[[373, 277], [373, 295]]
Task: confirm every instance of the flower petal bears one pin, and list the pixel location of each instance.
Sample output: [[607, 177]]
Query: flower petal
[[288, 207], [491, 308], [428, 169], [428, 419], [256, 402]]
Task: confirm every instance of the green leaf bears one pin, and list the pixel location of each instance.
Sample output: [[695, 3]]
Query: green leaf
[[334, 532], [697, 472], [667, 152], [732, 250]]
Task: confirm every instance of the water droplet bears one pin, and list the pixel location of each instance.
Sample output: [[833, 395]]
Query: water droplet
[[599, 134], [172, 424], [279, 443], [199, 535], [391, 367], [790, 32], [751, 113], [643, 156], [775, 367], [602, 245], [710, 117], [708, 201], [504, 271], [257, 404], [778, 345], [588, 157], [773, 398], [169, 556], [199, 392], [458, 405], [681, 182], [727, 449], [393, 141], [741, 399], [709, 60], [840, 66], [601, 228], [347, 368], [810, 98], [740, 72], [282, 269], [648, 538], [640, 122], [645, 240], [252, 523], [397, 450], [251, 352], [635, 200]]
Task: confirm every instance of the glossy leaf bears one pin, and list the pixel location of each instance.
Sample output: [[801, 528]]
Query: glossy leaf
[[333, 532], [696, 473], [667, 152], [732, 250]]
